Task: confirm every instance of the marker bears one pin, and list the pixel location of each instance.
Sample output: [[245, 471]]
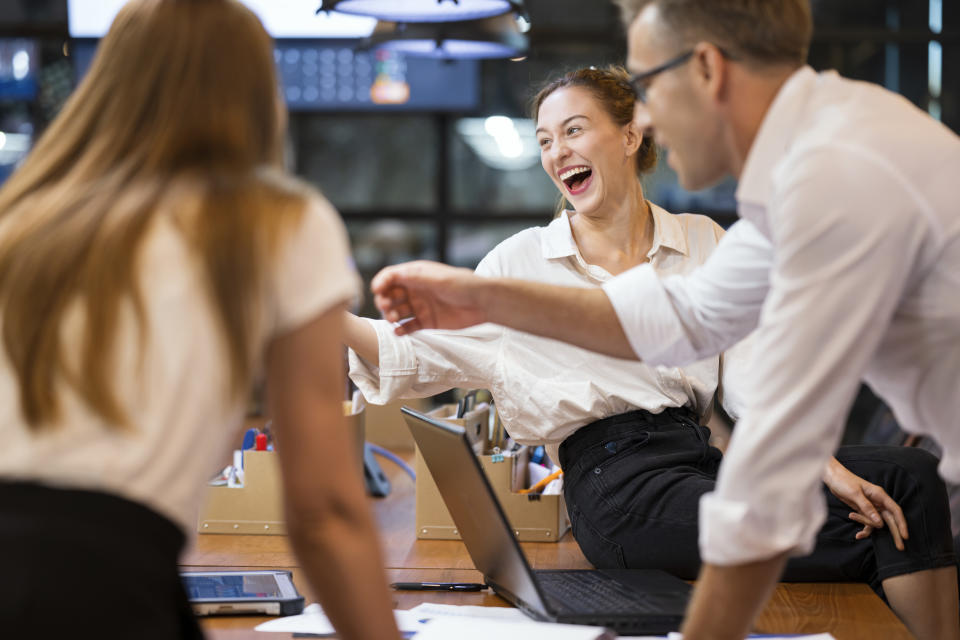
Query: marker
[[249, 438], [438, 586]]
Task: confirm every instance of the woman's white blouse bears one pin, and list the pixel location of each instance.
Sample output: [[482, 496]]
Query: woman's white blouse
[[545, 389]]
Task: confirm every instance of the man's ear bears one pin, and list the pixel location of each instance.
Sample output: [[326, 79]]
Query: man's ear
[[710, 70]]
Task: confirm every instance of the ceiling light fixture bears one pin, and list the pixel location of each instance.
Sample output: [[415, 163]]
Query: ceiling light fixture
[[424, 10], [465, 29], [497, 37]]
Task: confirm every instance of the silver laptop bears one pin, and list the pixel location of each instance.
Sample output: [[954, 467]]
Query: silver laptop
[[629, 601]]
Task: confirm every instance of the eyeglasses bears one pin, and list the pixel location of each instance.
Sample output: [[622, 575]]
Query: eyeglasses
[[639, 81]]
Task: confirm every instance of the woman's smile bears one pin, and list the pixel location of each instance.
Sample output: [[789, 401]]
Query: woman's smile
[[576, 178]]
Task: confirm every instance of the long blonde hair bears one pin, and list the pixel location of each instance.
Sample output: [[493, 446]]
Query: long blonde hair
[[178, 115]]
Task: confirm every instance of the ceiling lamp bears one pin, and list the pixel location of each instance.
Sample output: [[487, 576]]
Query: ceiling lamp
[[424, 10], [468, 29], [497, 37]]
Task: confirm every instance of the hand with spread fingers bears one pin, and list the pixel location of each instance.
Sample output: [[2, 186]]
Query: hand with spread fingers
[[873, 508], [428, 295]]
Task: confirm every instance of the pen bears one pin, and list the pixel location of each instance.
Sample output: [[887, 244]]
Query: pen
[[403, 321], [438, 586]]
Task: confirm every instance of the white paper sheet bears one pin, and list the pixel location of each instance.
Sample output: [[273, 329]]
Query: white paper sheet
[[314, 620], [445, 628], [429, 610]]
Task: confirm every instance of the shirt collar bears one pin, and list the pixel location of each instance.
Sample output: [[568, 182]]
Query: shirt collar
[[557, 241], [667, 232], [773, 140]]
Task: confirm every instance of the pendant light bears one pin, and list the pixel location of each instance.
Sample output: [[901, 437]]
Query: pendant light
[[451, 29], [423, 10]]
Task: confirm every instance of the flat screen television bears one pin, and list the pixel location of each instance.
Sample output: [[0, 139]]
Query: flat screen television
[[281, 18], [320, 60]]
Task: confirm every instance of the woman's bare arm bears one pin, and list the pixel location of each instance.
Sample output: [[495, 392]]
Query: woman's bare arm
[[328, 516], [361, 337]]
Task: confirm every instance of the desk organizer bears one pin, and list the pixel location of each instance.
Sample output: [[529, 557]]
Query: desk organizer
[[534, 517], [257, 506]]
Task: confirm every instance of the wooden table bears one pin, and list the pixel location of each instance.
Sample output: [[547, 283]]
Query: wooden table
[[849, 611]]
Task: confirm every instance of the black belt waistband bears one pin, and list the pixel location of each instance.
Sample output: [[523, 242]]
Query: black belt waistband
[[603, 429], [88, 516]]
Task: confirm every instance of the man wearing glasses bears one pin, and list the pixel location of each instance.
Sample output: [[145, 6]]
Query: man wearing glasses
[[846, 261]]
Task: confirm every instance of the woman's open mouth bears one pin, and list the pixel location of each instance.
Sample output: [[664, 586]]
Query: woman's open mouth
[[577, 179]]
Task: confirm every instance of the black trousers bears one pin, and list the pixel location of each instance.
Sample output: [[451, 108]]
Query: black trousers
[[633, 484], [89, 564]]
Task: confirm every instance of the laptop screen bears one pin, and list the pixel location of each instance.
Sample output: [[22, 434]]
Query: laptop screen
[[474, 508]]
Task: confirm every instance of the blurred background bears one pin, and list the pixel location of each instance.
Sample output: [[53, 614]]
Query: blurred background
[[435, 158]]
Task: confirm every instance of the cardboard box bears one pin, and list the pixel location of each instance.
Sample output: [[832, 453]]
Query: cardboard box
[[257, 506], [534, 517], [385, 425]]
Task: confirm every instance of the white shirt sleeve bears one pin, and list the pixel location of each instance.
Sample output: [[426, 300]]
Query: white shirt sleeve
[[429, 362], [836, 282], [426, 363], [732, 391], [315, 270], [678, 319]]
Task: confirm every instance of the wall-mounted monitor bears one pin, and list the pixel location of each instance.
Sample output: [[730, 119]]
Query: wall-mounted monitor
[[321, 62], [281, 18]]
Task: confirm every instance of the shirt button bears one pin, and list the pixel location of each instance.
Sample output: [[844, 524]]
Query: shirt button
[[596, 470]]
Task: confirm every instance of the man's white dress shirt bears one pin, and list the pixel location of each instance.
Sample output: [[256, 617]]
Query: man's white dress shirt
[[545, 389], [848, 257]]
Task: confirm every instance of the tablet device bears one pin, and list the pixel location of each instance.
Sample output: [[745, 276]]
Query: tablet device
[[268, 593]]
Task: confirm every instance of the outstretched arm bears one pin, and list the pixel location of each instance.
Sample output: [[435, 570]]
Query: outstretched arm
[[636, 315], [428, 295]]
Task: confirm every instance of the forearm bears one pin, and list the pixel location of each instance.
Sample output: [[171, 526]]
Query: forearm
[[727, 599], [580, 316], [330, 525], [361, 337], [340, 554], [328, 516]]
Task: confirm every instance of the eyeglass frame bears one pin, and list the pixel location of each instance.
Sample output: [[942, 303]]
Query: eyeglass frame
[[638, 80]]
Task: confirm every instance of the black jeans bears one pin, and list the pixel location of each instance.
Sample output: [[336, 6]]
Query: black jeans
[[633, 484], [89, 564]]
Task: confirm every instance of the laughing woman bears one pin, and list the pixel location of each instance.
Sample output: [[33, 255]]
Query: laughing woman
[[628, 435]]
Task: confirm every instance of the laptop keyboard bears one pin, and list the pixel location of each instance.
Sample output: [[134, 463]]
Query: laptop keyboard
[[590, 591]]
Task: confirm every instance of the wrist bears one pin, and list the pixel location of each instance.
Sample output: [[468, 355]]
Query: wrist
[[831, 471]]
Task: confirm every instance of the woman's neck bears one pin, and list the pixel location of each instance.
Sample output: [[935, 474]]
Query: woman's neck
[[617, 237]]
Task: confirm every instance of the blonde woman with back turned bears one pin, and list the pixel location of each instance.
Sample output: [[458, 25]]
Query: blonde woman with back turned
[[153, 260]]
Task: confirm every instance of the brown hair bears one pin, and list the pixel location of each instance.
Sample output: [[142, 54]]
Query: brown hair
[[611, 87], [162, 125], [761, 32]]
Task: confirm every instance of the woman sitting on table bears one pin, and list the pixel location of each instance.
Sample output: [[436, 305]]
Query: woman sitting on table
[[628, 435], [154, 258]]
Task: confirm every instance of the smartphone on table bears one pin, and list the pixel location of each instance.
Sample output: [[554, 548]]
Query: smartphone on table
[[270, 593]]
